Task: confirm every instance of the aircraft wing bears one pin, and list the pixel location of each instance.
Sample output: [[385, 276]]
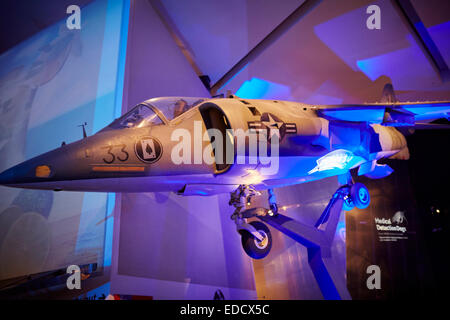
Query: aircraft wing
[[389, 114]]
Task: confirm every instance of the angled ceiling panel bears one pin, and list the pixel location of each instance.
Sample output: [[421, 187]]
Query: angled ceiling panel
[[219, 33]]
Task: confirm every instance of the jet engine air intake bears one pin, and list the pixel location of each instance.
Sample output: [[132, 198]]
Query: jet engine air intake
[[215, 118]]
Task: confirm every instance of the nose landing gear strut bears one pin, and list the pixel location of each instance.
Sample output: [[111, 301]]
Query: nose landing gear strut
[[256, 237]]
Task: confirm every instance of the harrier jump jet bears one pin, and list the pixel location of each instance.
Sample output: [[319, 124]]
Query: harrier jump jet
[[199, 146]]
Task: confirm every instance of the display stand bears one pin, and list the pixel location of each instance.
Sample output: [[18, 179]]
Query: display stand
[[318, 240]]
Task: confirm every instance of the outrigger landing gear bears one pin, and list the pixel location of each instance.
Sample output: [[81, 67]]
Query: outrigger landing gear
[[358, 196], [273, 211]]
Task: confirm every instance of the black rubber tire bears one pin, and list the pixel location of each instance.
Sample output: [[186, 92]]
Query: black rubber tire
[[360, 195], [249, 243]]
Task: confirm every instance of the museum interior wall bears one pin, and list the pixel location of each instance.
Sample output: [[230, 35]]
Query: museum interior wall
[[44, 230]]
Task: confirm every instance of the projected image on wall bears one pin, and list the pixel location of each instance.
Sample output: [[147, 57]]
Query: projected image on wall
[[49, 85]]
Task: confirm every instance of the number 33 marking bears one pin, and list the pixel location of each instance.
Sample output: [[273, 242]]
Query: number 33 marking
[[123, 156]]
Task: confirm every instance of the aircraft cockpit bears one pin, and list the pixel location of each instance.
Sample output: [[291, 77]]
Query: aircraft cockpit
[[172, 107], [156, 111]]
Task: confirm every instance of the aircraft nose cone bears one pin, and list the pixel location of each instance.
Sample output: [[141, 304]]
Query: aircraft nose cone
[[7, 177]]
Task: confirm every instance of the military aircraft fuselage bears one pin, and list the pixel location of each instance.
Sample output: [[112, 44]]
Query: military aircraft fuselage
[[212, 147]]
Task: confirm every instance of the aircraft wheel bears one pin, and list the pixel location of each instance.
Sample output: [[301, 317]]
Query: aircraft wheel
[[254, 248], [348, 204], [360, 195]]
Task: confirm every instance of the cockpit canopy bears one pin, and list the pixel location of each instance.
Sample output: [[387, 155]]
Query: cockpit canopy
[[139, 116], [155, 111], [172, 107]]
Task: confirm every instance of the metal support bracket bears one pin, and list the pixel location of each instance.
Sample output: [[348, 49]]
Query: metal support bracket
[[318, 243]]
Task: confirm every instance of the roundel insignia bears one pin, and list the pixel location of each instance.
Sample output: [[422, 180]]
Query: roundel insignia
[[148, 149], [270, 124]]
